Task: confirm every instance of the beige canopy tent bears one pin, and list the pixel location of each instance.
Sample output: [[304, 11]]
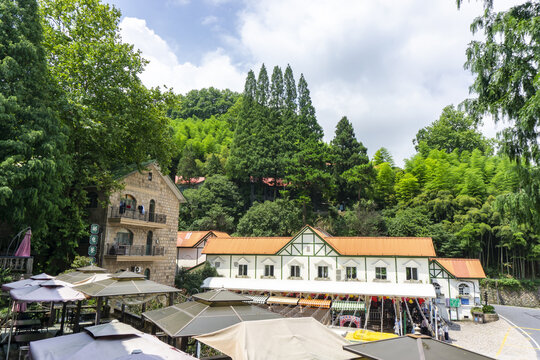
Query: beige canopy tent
[[289, 338], [211, 311], [84, 275], [121, 284], [109, 341], [412, 347]]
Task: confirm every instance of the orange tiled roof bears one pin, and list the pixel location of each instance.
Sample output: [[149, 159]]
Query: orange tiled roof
[[382, 246], [245, 245], [191, 238], [462, 268]]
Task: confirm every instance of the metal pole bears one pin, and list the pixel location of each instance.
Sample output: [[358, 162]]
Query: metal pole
[[98, 310], [76, 326], [400, 318], [382, 312], [123, 316], [367, 315], [436, 324], [10, 330], [198, 349]]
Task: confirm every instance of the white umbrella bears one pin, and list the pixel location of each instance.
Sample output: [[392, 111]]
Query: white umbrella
[[88, 346], [33, 280]]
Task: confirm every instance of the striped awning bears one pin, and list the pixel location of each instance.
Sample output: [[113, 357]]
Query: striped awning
[[315, 303], [347, 305], [257, 299], [282, 300]]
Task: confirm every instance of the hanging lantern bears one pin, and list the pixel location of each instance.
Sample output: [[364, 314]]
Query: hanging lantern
[[410, 301]]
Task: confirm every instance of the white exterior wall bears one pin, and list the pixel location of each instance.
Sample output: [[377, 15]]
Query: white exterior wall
[[358, 262], [190, 257], [388, 262], [422, 265], [301, 261]]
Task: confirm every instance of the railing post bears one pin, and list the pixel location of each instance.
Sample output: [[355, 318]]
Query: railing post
[[29, 265]]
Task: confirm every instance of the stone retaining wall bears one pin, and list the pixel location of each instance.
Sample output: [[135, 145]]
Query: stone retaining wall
[[502, 296]]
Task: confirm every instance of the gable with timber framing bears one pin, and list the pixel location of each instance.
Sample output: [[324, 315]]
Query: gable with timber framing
[[307, 243], [438, 272]]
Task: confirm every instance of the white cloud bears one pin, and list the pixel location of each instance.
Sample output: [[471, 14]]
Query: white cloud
[[389, 66], [215, 68], [209, 20]]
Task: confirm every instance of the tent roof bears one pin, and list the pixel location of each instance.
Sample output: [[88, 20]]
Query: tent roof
[[83, 346], [195, 318], [42, 276], [462, 268], [41, 293], [323, 287], [114, 328], [77, 277], [220, 295], [409, 347], [124, 284], [287, 338], [92, 269], [21, 284]]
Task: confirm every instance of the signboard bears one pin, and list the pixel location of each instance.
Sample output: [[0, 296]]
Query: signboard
[[453, 303], [92, 250], [94, 229], [93, 239]]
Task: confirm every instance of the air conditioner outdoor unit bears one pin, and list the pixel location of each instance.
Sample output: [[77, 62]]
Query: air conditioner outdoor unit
[[338, 275], [235, 263], [137, 269]]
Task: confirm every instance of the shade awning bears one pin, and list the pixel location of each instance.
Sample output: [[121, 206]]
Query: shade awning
[[347, 305], [412, 290], [257, 299], [282, 300], [315, 303]]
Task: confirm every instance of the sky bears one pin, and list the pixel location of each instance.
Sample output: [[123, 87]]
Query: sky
[[389, 66]]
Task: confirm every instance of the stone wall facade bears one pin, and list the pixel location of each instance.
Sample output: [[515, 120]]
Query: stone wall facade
[[144, 189]]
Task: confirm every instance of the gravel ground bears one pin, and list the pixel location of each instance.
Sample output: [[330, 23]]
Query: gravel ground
[[497, 339]]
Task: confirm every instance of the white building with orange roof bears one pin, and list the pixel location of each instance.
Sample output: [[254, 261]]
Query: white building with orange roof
[[457, 284], [189, 246]]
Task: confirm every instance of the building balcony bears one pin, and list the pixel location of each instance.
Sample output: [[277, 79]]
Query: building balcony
[[134, 252], [134, 217]]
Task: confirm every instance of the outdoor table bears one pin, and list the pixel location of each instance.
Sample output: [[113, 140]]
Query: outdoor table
[[27, 338]]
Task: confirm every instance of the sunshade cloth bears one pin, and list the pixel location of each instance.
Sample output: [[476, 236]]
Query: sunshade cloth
[[282, 300], [412, 347], [24, 247], [323, 287], [201, 317], [347, 305], [21, 283], [48, 291], [315, 303], [92, 269], [84, 346], [42, 276], [124, 283], [287, 338]]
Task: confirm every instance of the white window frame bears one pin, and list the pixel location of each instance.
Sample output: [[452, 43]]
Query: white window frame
[[411, 273], [380, 274], [242, 269], [461, 289], [268, 270], [295, 271], [351, 273], [322, 272]]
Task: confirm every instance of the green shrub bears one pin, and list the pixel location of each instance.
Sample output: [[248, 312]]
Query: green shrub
[[476, 310], [192, 279], [511, 284], [488, 309]]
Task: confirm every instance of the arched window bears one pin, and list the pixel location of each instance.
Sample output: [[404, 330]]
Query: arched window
[[122, 243], [147, 274], [149, 243], [92, 200], [151, 210], [128, 203], [437, 288], [463, 289]]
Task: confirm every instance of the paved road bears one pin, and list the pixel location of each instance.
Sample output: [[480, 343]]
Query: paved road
[[525, 319]]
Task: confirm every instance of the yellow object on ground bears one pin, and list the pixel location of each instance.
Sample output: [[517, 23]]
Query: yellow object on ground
[[368, 335]]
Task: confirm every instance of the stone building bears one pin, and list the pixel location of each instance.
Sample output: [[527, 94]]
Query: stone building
[[138, 224]]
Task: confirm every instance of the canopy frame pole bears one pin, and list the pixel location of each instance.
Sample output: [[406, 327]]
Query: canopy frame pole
[[382, 312], [367, 314], [396, 321], [98, 309], [76, 326], [436, 324], [63, 319], [10, 328], [400, 318], [123, 312], [198, 349], [171, 299]]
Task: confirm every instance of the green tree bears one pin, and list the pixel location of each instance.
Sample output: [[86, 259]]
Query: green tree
[[384, 183], [203, 103], [347, 153], [383, 156], [407, 187], [34, 163], [187, 166], [263, 87], [454, 130], [307, 127], [271, 218]]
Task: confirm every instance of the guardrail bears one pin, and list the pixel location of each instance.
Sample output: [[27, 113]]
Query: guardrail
[[17, 264], [123, 212], [134, 250]]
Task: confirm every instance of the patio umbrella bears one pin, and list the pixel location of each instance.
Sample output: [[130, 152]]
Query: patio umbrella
[[122, 284], [33, 280], [412, 347], [287, 338], [109, 341], [211, 311], [24, 247]]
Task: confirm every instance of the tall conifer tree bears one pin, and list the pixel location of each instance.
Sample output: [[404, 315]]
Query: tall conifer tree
[[263, 87]]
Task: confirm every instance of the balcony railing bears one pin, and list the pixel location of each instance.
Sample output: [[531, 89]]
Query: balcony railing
[[135, 250], [17, 264], [122, 212]]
